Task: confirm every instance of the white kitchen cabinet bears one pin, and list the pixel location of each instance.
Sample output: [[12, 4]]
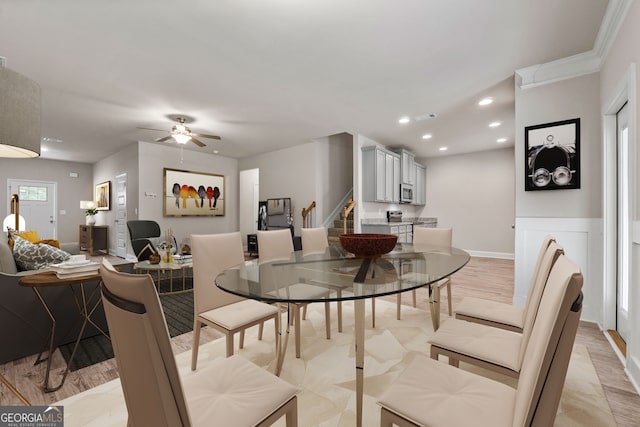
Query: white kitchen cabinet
[[407, 159], [404, 231], [420, 185], [380, 175]]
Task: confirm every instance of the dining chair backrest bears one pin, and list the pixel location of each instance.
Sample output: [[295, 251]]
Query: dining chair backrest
[[213, 253], [541, 282], [146, 365], [432, 236], [535, 293], [274, 245], [314, 240], [545, 364]]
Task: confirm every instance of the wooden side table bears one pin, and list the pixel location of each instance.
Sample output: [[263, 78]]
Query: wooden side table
[[94, 239]]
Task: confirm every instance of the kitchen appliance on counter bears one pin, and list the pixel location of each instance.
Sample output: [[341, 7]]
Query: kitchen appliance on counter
[[394, 216]]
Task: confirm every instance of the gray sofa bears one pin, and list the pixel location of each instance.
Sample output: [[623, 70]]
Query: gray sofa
[[24, 324]]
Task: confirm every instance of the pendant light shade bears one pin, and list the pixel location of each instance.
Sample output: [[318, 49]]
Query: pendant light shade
[[20, 102]]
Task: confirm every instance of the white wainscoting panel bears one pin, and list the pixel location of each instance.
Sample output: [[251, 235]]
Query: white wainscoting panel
[[581, 239]]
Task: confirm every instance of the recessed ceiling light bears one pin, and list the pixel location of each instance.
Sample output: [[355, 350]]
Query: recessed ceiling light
[[501, 140], [404, 120], [494, 124], [485, 101], [443, 148], [43, 149], [427, 136], [215, 151]]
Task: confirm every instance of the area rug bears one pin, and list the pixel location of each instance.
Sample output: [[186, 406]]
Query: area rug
[[326, 375], [178, 311]]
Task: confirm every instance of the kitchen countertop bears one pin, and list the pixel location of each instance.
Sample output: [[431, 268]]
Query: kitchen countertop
[[407, 221]]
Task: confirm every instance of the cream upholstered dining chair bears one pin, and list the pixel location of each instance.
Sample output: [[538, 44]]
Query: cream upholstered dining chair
[[154, 392], [499, 314], [499, 350], [277, 245], [227, 313], [429, 237], [458, 398], [314, 240]]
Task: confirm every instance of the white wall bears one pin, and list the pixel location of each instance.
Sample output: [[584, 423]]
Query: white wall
[[124, 161], [574, 216], [474, 194], [154, 158], [568, 99], [320, 170], [334, 170]]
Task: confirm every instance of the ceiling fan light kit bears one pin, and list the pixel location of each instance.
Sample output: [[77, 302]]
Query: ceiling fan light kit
[[181, 133]]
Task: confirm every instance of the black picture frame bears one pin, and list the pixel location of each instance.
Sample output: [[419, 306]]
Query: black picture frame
[[552, 156]]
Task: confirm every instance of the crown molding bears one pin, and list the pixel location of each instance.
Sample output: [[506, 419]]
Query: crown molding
[[582, 63]]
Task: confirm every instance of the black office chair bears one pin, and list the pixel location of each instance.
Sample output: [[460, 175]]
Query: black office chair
[[146, 238]]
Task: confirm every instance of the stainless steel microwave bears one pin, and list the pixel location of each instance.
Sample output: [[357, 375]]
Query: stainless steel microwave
[[406, 193]]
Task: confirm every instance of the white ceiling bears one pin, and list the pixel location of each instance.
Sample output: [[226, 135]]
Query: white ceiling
[[271, 74]]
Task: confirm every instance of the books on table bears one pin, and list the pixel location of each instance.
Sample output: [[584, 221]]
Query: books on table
[[76, 266]]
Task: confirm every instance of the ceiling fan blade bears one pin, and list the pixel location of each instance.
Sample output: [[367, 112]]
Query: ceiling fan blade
[[206, 136], [160, 130], [198, 143], [166, 138]]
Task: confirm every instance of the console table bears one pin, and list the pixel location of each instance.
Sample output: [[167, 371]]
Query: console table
[[87, 303], [94, 239]]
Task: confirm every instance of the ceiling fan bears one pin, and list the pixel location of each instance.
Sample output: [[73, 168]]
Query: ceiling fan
[[181, 133]]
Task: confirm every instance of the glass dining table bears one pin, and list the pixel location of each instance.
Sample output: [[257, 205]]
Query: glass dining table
[[344, 277]]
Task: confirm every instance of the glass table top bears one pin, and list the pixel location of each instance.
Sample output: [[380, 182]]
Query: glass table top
[[336, 275]]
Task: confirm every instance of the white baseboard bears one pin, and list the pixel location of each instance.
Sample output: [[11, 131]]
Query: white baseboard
[[484, 254], [633, 372]]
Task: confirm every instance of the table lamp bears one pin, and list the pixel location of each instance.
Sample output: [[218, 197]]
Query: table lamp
[[90, 209]]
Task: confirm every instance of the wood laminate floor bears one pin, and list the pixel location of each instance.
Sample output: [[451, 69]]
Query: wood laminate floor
[[482, 277]]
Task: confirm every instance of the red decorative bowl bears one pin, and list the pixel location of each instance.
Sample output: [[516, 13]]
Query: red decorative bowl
[[368, 245]]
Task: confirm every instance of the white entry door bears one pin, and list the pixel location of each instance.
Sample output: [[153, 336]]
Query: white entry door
[[121, 215], [38, 202]]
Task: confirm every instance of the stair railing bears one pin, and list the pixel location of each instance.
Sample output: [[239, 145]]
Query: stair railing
[[345, 213], [305, 213]]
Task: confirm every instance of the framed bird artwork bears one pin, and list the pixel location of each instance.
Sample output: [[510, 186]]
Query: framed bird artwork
[[188, 193]]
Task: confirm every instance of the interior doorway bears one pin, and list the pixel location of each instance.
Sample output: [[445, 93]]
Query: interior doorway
[[621, 332], [619, 211], [38, 202], [249, 200]]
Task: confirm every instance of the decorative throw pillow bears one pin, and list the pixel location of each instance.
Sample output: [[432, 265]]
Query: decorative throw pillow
[[36, 256], [51, 242], [31, 236]]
